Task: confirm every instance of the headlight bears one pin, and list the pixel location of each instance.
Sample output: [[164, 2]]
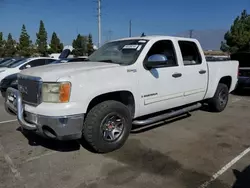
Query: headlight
[[56, 92]]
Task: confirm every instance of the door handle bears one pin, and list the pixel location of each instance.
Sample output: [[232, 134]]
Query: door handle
[[176, 75], [202, 71]]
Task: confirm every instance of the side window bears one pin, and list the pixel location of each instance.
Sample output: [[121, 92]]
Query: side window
[[166, 48], [48, 61], [34, 63], [190, 53], [72, 60], [77, 60]]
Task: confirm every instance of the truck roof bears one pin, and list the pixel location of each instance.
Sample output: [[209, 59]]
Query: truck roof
[[151, 37]]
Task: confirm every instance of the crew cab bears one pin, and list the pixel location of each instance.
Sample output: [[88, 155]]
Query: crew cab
[[130, 81]]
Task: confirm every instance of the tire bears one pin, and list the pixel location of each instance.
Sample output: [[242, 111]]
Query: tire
[[96, 130], [220, 99]]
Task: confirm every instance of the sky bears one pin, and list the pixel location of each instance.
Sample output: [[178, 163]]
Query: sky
[[153, 17]]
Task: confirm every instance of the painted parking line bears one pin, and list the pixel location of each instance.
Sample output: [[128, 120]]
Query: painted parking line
[[236, 100], [225, 168], [8, 121], [10, 163], [39, 156]]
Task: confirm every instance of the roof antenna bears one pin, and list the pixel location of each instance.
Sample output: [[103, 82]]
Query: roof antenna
[[143, 35]]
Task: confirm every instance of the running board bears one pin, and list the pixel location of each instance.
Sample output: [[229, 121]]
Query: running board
[[167, 115]]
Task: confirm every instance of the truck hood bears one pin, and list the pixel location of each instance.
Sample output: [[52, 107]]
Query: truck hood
[[54, 72]]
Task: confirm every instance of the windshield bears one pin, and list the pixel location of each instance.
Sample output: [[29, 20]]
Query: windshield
[[16, 63], [124, 52]]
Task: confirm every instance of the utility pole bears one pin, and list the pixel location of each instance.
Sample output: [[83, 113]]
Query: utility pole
[[191, 33], [99, 23], [130, 27], [108, 35], [110, 32]]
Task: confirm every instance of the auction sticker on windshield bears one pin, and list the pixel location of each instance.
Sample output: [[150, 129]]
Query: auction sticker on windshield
[[134, 46]]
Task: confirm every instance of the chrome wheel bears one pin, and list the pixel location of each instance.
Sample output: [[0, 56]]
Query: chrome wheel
[[112, 127], [223, 98]]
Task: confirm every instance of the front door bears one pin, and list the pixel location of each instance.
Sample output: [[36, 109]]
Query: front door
[[161, 88]]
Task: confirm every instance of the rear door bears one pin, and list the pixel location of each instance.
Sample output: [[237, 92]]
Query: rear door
[[195, 71]]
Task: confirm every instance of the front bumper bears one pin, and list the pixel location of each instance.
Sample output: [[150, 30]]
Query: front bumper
[[55, 127]]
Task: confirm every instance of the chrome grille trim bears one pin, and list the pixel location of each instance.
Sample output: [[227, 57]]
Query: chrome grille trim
[[38, 80]]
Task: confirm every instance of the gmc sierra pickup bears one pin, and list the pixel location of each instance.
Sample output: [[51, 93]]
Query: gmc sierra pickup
[[129, 81]]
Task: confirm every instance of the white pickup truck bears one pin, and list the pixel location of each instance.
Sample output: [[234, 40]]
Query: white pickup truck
[[129, 81]]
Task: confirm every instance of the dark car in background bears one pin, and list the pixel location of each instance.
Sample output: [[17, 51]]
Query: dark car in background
[[244, 69]]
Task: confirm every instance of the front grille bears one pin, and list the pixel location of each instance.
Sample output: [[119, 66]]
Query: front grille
[[30, 89]]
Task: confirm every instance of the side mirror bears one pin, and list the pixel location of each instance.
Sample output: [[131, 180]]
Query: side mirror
[[156, 61], [27, 66]]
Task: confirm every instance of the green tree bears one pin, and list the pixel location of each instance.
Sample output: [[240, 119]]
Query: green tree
[[2, 43], [55, 44], [41, 40], [238, 37], [25, 44], [90, 45], [80, 45], [10, 46]]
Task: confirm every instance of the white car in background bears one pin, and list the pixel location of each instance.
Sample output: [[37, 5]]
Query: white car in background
[[21, 64], [9, 68]]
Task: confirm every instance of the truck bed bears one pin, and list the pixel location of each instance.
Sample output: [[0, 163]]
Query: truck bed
[[218, 69]]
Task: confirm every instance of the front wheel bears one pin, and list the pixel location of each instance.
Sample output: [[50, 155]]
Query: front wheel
[[107, 126], [219, 102]]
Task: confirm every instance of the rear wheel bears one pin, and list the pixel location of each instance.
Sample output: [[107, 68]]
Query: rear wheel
[[219, 102], [107, 126]]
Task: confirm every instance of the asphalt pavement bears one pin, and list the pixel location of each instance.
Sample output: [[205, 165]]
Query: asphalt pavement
[[202, 149]]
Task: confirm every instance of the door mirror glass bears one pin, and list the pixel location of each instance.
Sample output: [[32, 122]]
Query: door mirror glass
[[156, 60], [27, 66]]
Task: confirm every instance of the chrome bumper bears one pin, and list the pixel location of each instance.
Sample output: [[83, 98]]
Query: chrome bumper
[[56, 127]]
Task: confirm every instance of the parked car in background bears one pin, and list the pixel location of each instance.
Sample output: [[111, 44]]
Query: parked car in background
[[138, 81], [68, 60], [8, 81], [11, 80], [20, 64], [244, 69], [7, 60], [217, 58]]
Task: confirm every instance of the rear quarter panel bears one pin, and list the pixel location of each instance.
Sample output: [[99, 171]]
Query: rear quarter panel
[[218, 70]]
